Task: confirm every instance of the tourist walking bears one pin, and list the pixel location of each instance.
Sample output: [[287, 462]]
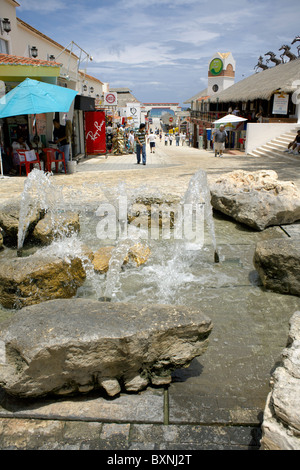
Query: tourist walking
[[140, 139], [177, 138], [170, 139], [219, 139], [166, 139], [151, 140]]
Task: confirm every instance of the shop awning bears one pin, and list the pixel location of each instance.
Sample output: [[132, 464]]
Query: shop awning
[[16, 69]]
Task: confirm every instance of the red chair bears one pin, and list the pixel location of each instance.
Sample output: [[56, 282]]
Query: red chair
[[27, 158], [54, 156]]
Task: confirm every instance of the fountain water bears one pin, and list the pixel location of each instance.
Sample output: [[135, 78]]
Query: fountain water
[[198, 190], [39, 194]]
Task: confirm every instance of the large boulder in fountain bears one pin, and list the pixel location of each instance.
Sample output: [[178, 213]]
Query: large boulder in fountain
[[9, 222], [278, 264], [281, 423], [34, 279], [73, 346], [257, 199], [55, 225]]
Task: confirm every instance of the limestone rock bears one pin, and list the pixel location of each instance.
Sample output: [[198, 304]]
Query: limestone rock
[[34, 279], [9, 222], [257, 199], [281, 423], [278, 264], [101, 259], [138, 253], [56, 225], [66, 346]]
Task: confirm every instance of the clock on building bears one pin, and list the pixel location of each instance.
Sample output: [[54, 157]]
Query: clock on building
[[215, 88]]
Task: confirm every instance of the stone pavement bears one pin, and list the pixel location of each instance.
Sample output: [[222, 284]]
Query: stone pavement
[[207, 407]]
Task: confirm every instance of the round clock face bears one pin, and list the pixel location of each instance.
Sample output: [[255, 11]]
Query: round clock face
[[216, 66], [215, 88]]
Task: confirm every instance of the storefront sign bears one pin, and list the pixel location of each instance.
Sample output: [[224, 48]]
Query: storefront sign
[[133, 112], [280, 103], [110, 99], [216, 66], [95, 132]]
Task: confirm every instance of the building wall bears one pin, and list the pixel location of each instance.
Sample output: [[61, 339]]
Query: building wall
[[7, 10], [259, 134]]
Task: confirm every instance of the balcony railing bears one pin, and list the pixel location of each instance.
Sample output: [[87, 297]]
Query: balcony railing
[[208, 116]]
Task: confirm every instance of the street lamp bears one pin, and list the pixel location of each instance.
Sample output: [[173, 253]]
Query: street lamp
[[5, 25], [33, 51]]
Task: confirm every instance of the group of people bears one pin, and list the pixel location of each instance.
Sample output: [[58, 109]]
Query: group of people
[[140, 137], [12, 160], [178, 138]]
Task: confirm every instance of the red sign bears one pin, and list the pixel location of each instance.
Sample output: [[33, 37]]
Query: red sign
[[171, 119], [95, 136]]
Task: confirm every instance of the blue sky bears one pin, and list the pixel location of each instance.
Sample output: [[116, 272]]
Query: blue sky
[[160, 49]]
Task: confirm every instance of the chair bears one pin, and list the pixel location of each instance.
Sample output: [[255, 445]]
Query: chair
[[27, 158], [54, 156]]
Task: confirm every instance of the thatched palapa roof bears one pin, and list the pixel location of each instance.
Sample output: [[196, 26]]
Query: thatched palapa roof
[[201, 94], [262, 85]]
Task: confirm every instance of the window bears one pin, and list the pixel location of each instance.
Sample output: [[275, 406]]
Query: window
[[3, 46]]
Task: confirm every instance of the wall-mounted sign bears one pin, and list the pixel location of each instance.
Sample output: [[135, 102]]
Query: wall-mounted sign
[[280, 103], [216, 66], [110, 99]]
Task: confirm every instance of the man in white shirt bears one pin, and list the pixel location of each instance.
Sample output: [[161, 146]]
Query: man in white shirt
[[151, 140]]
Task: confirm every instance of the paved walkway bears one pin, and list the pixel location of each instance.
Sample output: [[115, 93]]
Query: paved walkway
[[217, 414]]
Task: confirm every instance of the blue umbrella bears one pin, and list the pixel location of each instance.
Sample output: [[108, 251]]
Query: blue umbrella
[[34, 97]]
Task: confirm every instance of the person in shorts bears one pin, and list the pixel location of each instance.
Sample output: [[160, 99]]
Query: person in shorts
[[151, 140], [219, 140]]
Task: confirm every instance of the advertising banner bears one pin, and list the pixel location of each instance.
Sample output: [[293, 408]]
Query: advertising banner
[[95, 135]]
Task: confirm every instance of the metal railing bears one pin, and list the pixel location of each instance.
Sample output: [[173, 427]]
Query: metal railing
[[208, 116]]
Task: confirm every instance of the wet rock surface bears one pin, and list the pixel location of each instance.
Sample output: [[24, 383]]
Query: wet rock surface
[[138, 253], [281, 424], [257, 199], [9, 222], [63, 347], [56, 225], [278, 264], [34, 279]]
